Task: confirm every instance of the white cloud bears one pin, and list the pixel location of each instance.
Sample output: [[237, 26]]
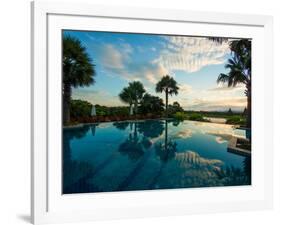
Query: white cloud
[[111, 57], [224, 88], [185, 89], [191, 54]]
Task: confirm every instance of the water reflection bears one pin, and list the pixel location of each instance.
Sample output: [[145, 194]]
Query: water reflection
[[230, 176], [75, 173], [166, 150], [93, 128], [147, 155], [133, 146], [139, 138]]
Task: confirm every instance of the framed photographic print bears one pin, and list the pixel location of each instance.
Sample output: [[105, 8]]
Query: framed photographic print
[[145, 112]]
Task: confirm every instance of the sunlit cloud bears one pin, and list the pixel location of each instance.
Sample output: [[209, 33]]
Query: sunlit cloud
[[121, 58], [184, 134], [185, 89], [111, 57], [191, 54], [224, 88]]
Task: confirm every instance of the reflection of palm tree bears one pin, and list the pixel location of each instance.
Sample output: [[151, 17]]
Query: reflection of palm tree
[[235, 176], [121, 125], [151, 129], [136, 144], [78, 132], [175, 122], [166, 151], [247, 167], [75, 173], [132, 146]]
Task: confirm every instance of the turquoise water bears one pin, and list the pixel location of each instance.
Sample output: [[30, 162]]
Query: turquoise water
[[152, 154]]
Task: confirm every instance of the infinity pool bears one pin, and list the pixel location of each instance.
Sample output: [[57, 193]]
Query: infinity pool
[[151, 154]]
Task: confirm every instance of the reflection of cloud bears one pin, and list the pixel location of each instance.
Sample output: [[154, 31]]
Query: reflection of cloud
[[192, 170], [184, 134], [223, 136], [220, 140], [191, 157], [104, 125]]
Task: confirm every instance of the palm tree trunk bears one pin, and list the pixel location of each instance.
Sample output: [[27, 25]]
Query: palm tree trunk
[[249, 110], [249, 106], [166, 135], [136, 107], [66, 103], [166, 103]]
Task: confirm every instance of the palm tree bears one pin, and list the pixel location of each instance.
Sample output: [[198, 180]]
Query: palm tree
[[138, 92], [168, 85], [78, 70], [126, 96], [133, 94], [239, 70]]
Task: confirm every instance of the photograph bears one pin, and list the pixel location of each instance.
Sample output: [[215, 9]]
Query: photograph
[[147, 111]]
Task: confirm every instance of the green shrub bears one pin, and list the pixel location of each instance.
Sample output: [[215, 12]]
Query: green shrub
[[112, 111], [180, 116], [196, 117], [235, 120], [80, 108]]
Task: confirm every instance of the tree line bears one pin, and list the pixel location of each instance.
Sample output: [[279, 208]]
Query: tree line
[[79, 71]]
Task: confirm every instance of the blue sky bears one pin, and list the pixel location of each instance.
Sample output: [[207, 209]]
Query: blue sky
[[194, 62]]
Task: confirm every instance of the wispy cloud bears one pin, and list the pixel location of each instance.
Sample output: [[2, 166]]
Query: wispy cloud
[[225, 88], [147, 58], [185, 89], [111, 57], [191, 54]]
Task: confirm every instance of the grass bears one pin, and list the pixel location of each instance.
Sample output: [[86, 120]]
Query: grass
[[192, 116], [236, 120], [233, 118]]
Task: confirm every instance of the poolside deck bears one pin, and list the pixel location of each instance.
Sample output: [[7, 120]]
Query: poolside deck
[[232, 147]]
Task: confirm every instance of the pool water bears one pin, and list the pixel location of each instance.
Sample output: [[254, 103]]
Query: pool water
[[151, 154]]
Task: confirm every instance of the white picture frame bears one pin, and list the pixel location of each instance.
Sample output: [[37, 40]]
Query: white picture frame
[[48, 205]]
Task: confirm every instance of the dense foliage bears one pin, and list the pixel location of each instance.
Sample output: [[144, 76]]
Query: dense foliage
[[238, 120], [112, 111], [133, 94], [80, 108], [151, 104], [78, 71]]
